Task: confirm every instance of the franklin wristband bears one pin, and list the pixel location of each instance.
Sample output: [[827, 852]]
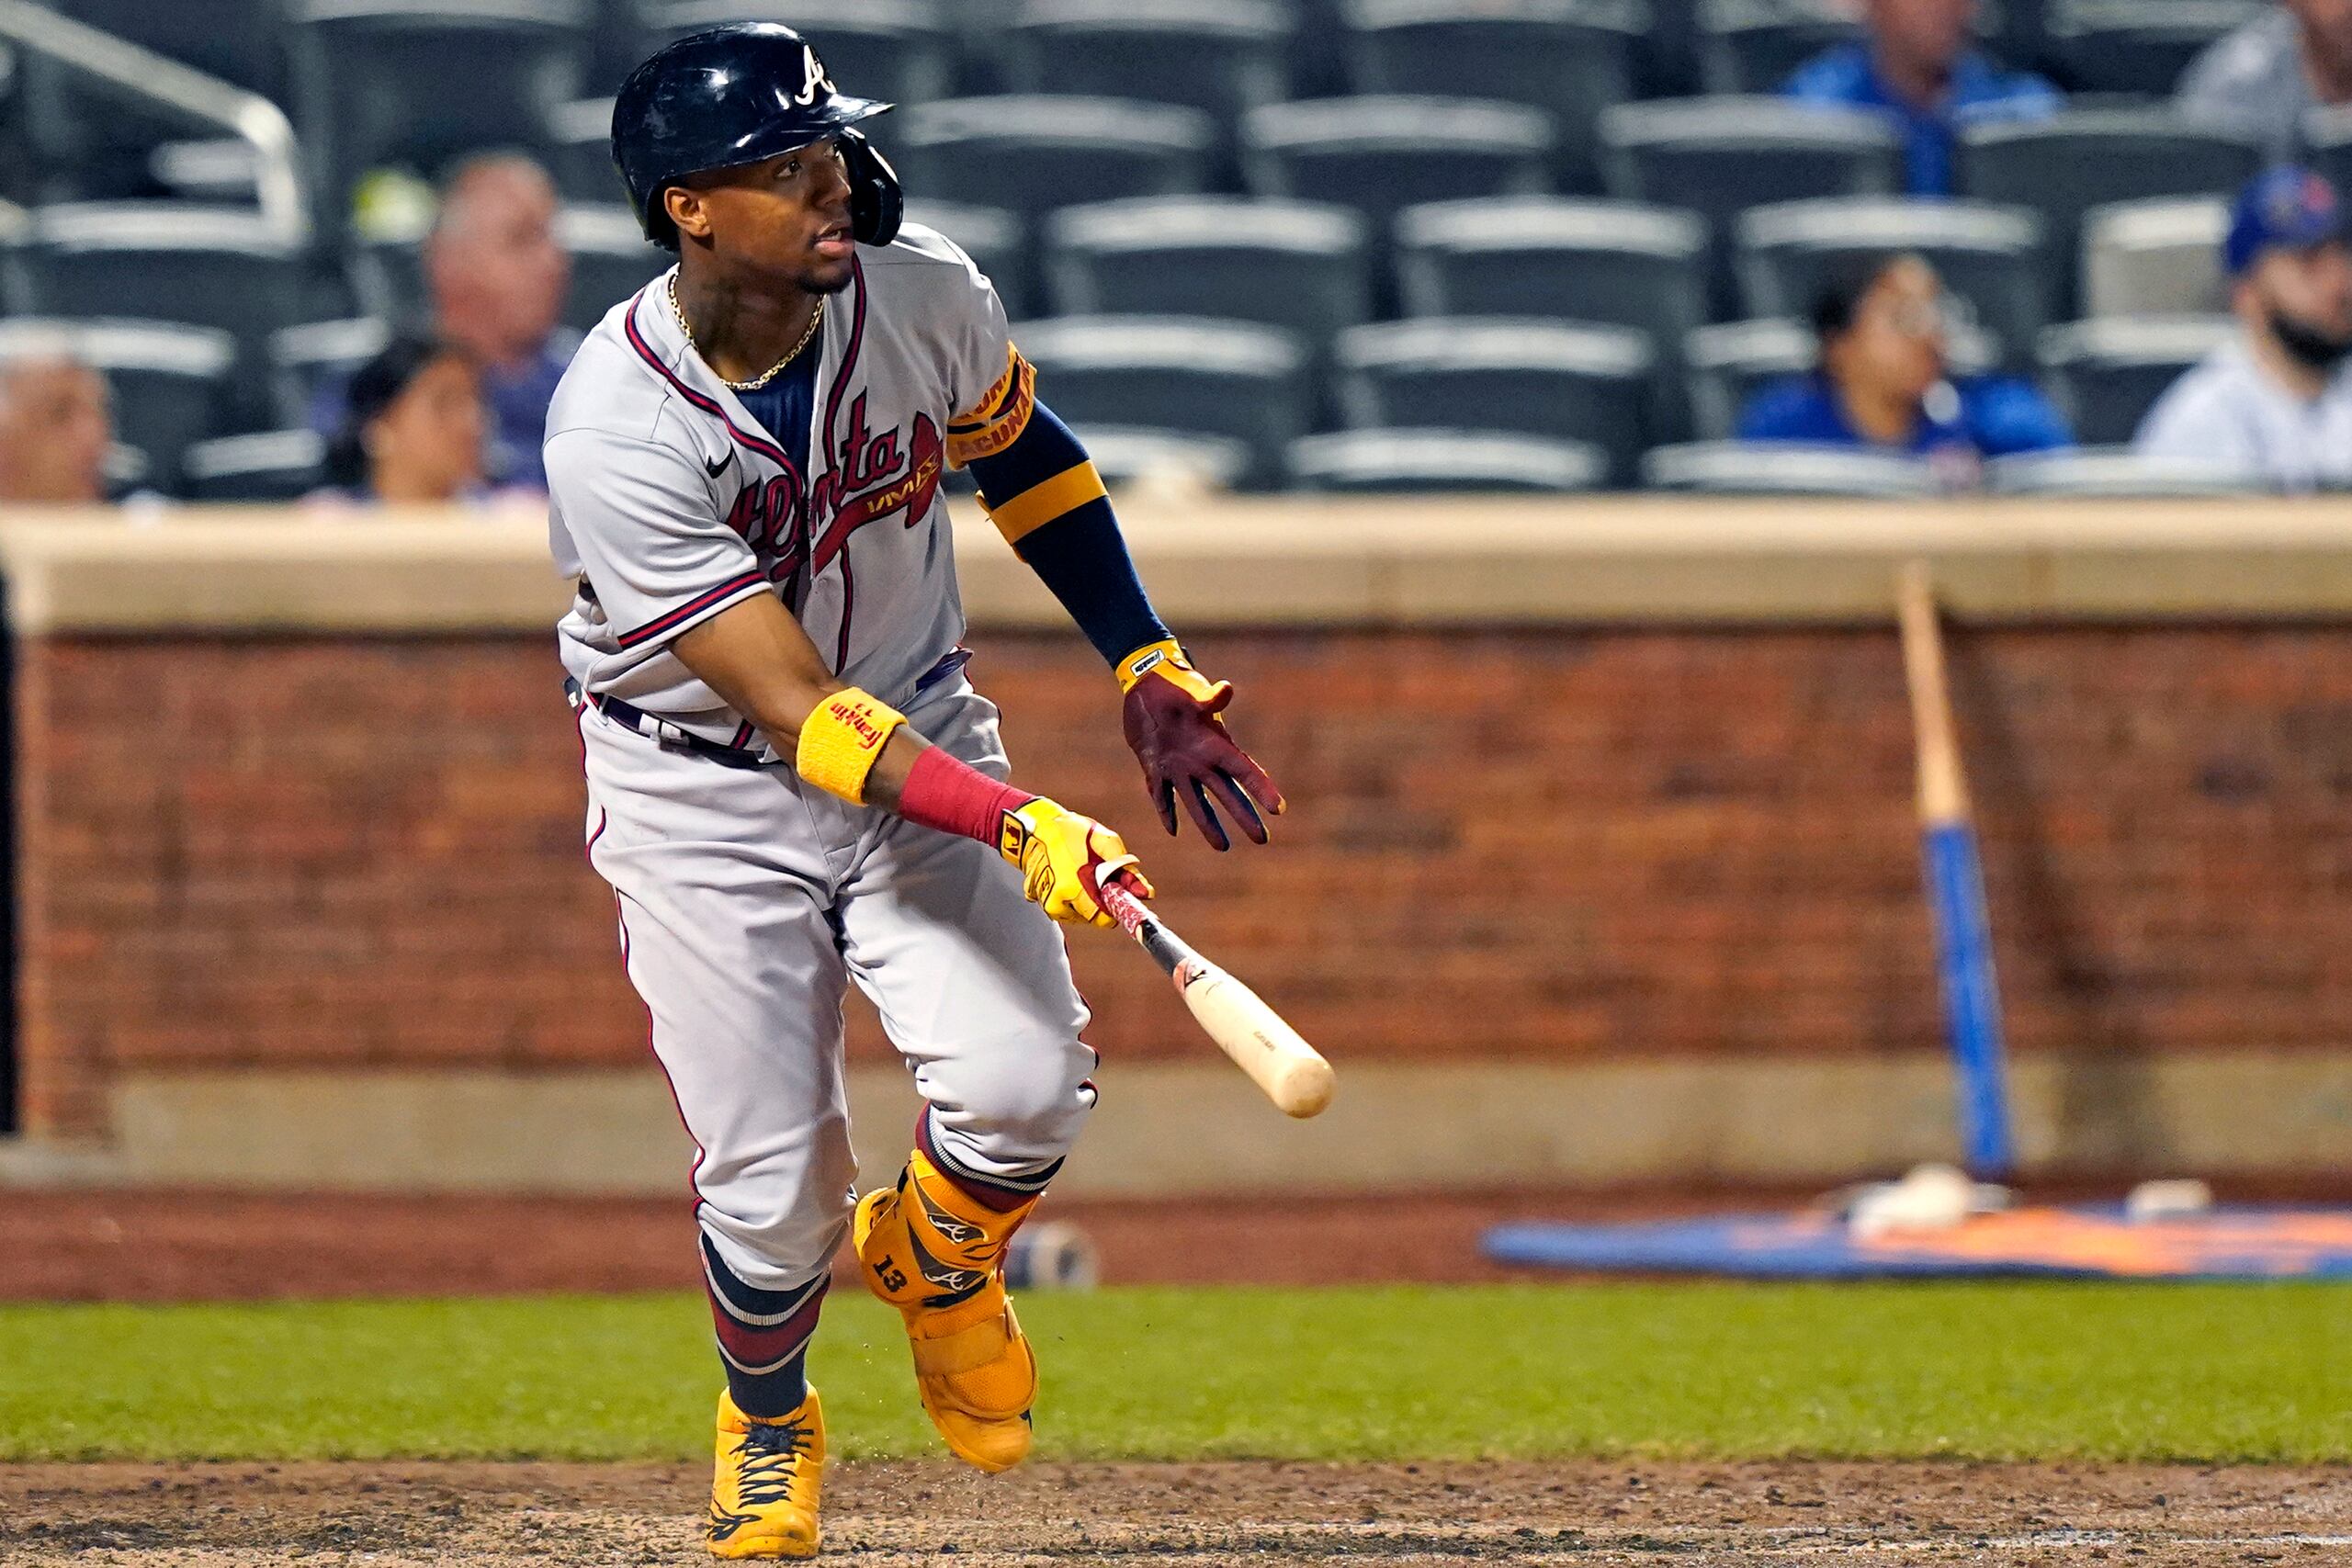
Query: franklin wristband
[[842, 740]]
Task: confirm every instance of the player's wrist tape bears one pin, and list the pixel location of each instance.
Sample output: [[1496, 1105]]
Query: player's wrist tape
[[955, 797], [842, 740], [1168, 660]]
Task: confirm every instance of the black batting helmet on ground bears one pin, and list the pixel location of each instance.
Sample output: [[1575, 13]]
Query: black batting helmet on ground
[[737, 95]]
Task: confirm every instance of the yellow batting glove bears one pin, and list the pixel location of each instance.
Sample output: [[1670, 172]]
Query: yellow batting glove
[[1167, 661], [1063, 859]]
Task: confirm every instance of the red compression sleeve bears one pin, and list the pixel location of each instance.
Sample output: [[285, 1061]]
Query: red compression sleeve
[[947, 794]]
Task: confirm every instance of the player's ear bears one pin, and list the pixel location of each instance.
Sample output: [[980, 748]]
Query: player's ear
[[688, 211]]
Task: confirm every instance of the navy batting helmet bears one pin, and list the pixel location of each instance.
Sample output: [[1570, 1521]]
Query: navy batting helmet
[[737, 95]]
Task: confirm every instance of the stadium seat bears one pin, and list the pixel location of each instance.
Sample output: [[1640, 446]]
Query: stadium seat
[[2065, 165], [1296, 266], [2106, 374], [421, 83], [619, 44], [169, 381], [1613, 263], [204, 267], [1721, 156], [1786, 468], [307, 359], [1991, 258], [1380, 155], [998, 243], [2154, 258], [1532, 377], [1219, 56], [1731, 362], [899, 50], [240, 41], [2137, 46], [611, 259], [1618, 263], [1031, 155], [1228, 379], [92, 144], [2328, 134], [1569, 57], [1444, 461], [125, 471], [579, 152], [1755, 46], [2109, 471], [1126, 455], [273, 465]]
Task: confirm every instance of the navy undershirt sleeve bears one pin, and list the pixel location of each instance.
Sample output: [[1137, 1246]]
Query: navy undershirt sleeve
[[1079, 556]]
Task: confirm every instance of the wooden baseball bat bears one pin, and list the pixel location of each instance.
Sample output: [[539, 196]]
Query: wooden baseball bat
[[1955, 887], [1293, 1074]]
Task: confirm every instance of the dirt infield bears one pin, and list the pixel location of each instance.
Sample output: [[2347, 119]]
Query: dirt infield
[[140, 1246], [1695, 1516], [160, 1246]]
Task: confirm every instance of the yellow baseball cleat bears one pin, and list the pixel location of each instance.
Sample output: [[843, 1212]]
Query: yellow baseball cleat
[[929, 1251], [763, 1490]]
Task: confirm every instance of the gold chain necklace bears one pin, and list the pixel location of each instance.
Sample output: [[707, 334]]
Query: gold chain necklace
[[816, 320]]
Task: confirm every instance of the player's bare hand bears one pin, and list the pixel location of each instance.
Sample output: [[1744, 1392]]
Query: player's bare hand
[[1173, 720], [1064, 857]]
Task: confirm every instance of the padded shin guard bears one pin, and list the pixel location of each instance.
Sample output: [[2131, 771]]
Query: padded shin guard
[[938, 1254]]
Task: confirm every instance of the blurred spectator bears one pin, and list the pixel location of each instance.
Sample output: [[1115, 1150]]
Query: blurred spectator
[[413, 432], [1917, 66], [2262, 79], [56, 423], [2275, 403], [1882, 381], [496, 274]]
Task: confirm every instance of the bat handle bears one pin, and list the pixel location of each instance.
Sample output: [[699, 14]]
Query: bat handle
[[1176, 961], [1124, 907]]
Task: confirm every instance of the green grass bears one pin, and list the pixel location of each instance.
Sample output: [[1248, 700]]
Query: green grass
[[1989, 1370]]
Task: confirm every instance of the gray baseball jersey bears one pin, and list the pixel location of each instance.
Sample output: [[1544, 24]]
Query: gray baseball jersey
[[669, 502], [749, 900]]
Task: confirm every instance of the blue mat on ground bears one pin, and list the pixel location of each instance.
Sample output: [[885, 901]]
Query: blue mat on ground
[[2091, 1242]]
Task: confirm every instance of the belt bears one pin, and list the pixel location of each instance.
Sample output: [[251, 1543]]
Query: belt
[[664, 732], [654, 728]]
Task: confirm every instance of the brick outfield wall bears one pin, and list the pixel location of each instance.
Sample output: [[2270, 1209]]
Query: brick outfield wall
[[1549, 845]]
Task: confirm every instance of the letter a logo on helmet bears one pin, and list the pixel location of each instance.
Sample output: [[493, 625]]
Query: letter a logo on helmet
[[737, 95]]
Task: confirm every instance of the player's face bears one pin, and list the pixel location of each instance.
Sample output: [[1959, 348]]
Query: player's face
[[1895, 347], [786, 219], [428, 443]]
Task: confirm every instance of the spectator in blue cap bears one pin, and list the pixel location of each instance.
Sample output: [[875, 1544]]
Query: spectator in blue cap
[[1884, 381], [1919, 69], [2275, 403]]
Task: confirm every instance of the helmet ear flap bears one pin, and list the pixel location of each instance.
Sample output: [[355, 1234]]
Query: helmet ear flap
[[876, 205]]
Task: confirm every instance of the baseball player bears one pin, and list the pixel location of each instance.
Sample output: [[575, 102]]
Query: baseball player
[[792, 785]]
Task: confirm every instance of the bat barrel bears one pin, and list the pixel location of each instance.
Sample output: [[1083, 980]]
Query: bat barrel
[[1289, 1071]]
